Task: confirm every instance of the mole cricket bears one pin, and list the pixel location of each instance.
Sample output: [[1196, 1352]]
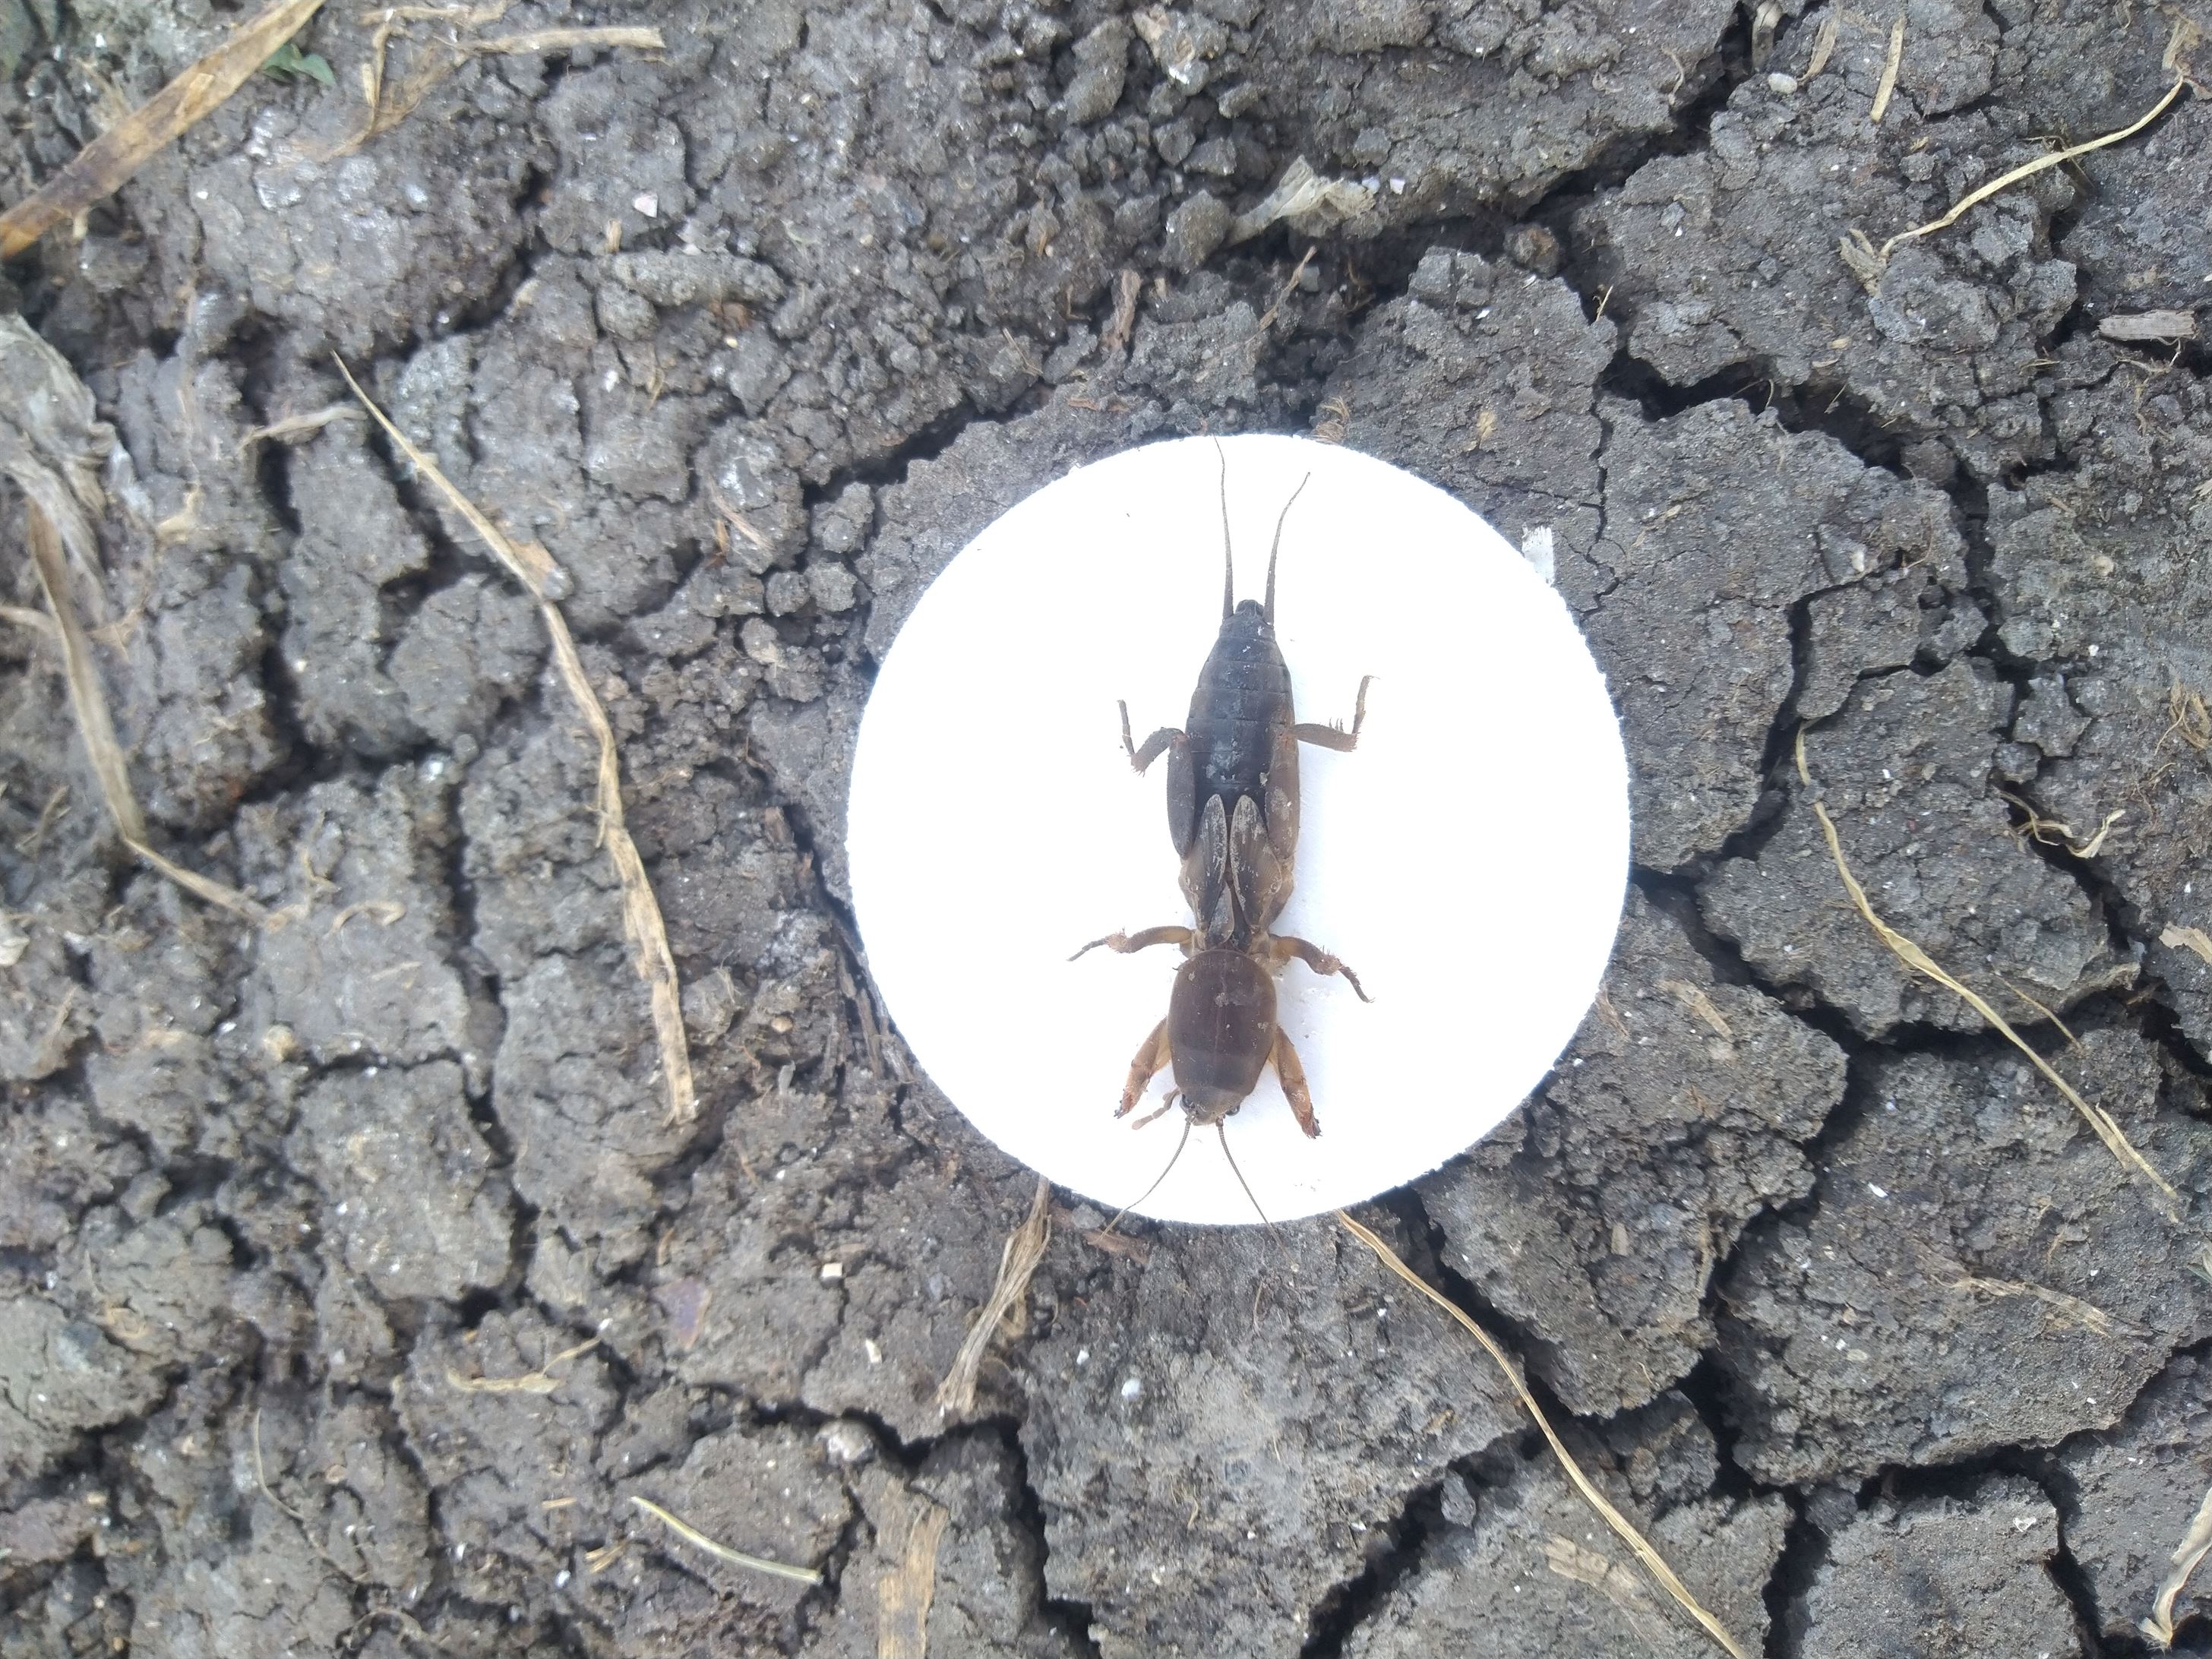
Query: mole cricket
[[1232, 801]]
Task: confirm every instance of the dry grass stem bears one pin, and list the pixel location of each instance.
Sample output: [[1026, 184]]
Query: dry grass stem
[[96, 727], [526, 42], [2047, 1012], [2051, 832], [1018, 1262], [1617, 1582], [1885, 88], [1697, 1002], [2141, 326], [35, 621], [1982, 193], [2187, 939], [2087, 1315], [541, 1381], [1283, 294], [1654, 1563], [388, 106], [2195, 1545], [2190, 720], [293, 427], [903, 1594], [1128, 285], [691, 1534], [382, 912], [101, 166], [1824, 44], [533, 567], [2108, 1129], [49, 815], [261, 1475]]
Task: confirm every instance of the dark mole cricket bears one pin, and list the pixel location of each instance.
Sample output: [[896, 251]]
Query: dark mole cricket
[[1233, 816]]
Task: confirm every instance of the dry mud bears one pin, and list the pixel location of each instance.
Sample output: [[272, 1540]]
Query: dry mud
[[1885, 1348]]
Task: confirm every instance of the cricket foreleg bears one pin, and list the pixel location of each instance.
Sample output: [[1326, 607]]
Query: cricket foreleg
[[1151, 1055], [1293, 1076]]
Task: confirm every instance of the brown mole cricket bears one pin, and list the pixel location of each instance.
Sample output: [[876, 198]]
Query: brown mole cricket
[[1233, 815]]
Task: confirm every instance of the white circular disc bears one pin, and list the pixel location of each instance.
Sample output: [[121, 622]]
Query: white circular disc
[[1468, 859]]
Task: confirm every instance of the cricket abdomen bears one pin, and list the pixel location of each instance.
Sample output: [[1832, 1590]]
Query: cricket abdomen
[[1240, 710]]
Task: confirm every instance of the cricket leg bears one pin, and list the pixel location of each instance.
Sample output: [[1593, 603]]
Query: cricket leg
[[1293, 1076], [1166, 737], [1152, 1054], [1329, 737], [1126, 943], [1282, 947]]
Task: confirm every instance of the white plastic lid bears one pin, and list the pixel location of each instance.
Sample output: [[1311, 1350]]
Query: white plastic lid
[[1468, 859]]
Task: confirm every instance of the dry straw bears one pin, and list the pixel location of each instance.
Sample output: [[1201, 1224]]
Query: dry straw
[[2108, 1129], [691, 1534], [1017, 1264], [903, 1594], [103, 165], [1654, 1563], [533, 567], [2195, 1545], [386, 105], [96, 725], [1982, 193]]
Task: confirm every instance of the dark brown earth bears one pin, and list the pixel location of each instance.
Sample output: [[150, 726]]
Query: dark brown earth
[[1886, 1349]]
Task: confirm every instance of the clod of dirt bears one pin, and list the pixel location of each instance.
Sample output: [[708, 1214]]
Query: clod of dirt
[[1727, 258], [1903, 770], [2136, 240], [1514, 1567], [1470, 108], [1676, 1116], [859, 1330], [360, 966], [1444, 382], [1976, 1270], [59, 1378], [505, 1426], [1718, 524], [942, 1540], [1964, 1574], [1686, 545], [1204, 1483], [2100, 574], [2137, 1489], [359, 1135], [772, 1492]]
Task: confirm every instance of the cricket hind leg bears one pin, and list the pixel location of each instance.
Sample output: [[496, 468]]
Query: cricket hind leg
[[1293, 1076], [1283, 946], [1330, 737]]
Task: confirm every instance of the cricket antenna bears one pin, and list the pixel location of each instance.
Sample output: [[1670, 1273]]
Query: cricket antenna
[[1228, 557], [1155, 1187], [1275, 546], [1222, 1129]]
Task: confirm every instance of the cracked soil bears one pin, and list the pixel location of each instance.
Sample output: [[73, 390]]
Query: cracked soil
[[353, 1280]]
